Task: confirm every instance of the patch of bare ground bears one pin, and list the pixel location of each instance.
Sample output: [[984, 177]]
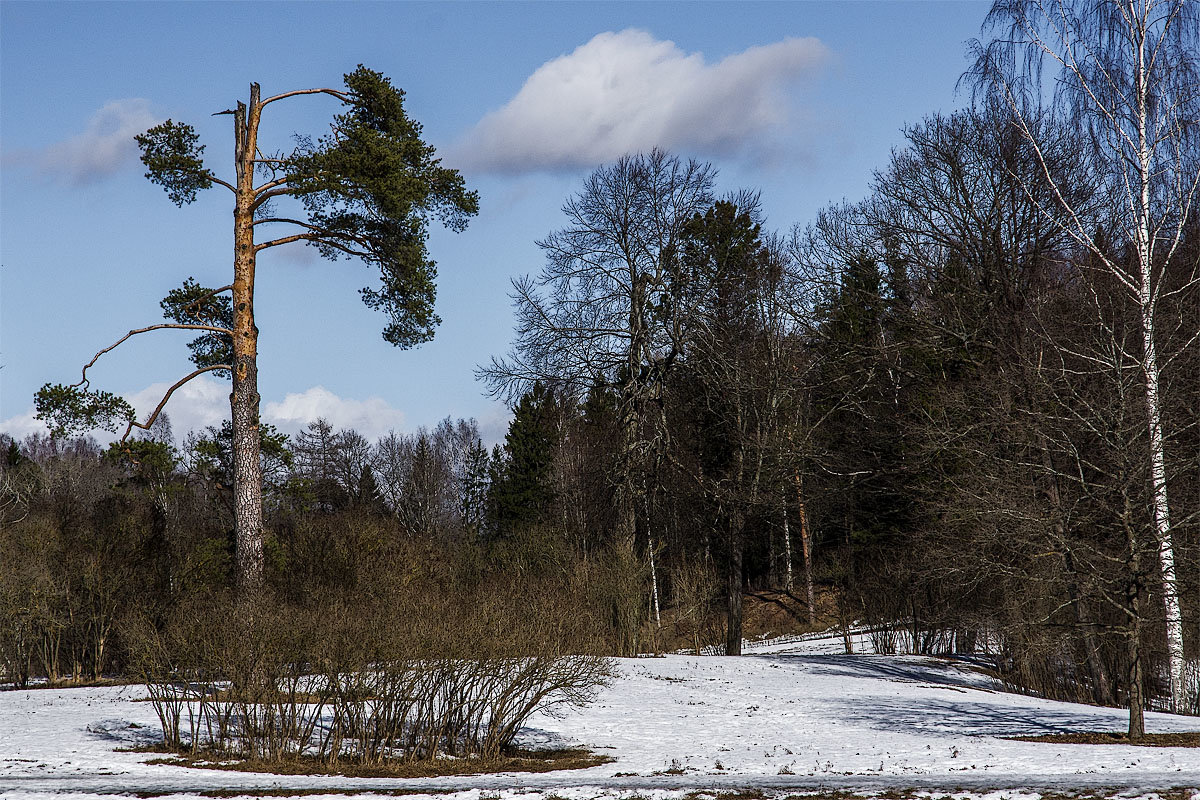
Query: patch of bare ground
[[69, 683], [229, 793], [1189, 739], [914, 794], [512, 761]]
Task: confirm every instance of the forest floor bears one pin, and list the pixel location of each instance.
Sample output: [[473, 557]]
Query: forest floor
[[795, 718]]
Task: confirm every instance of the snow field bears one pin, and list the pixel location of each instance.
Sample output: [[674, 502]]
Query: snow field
[[782, 723]]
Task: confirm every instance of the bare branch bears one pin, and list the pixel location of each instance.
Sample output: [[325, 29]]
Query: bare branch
[[158, 409], [345, 98], [83, 383]]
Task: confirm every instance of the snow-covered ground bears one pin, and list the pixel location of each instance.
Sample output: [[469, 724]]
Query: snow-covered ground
[[791, 717]]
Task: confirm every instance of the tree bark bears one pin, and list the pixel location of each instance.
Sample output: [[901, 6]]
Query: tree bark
[[1137, 703], [806, 548], [1162, 514], [1137, 716], [788, 578], [733, 627], [244, 399], [1158, 472], [654, 587]]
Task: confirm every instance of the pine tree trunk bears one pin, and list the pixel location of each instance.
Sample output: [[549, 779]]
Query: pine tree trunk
[[806, 546], [244, 400]]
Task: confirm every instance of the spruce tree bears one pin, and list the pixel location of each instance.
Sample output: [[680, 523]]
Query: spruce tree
[[523, 492]]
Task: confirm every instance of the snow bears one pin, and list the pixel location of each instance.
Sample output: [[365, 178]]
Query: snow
[[794, 716]]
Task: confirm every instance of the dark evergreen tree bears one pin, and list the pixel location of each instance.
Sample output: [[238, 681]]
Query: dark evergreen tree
[[367, 498], [476, 482], [522, 493]]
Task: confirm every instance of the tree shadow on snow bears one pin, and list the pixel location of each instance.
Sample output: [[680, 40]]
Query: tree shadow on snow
[[966, 718], [972, 715], [907, 669]]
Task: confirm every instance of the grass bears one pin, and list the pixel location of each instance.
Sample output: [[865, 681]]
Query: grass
[[512, 761]]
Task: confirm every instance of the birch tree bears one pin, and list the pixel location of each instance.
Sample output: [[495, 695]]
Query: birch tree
[[1127, 76], [367, 190]]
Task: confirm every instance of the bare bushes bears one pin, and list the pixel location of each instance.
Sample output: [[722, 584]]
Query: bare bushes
[[695, 588], [409, 676]]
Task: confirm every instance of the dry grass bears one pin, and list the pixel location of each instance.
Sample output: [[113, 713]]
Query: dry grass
[[229, 793], [70, 683], [1190, 739]]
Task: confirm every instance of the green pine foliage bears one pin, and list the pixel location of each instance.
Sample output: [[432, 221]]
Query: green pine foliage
[[193, 304], [370, 188]]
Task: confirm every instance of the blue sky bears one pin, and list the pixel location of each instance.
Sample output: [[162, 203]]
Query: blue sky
[[801, 100]]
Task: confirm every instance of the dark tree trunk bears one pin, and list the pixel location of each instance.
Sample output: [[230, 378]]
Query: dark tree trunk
[[733, 628], [1137, 717]]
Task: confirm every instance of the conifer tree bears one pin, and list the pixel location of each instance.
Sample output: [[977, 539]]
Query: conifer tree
[[524, 491], [367, 191]]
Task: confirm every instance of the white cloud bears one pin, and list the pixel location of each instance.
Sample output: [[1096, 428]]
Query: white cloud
[[105, 146], [204, 401], [22, 425], [194, 406], [372, 417], [626, 92], [197, 404]]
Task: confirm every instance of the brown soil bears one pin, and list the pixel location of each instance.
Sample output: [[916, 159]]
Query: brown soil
[[1190, 739], [70, 683], [514, 761], [228, 793]]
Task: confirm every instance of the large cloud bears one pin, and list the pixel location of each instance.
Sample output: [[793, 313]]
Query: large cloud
[[627, 91], [105, 146]]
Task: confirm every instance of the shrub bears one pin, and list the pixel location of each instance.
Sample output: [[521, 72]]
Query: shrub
[[407, 676]]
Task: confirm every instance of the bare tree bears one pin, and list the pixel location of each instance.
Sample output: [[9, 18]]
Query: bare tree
[[1127, 76], [594, 316]]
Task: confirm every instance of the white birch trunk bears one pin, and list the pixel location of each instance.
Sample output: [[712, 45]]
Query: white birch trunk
[[789, 580], [654, 587], [1158, 471]]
